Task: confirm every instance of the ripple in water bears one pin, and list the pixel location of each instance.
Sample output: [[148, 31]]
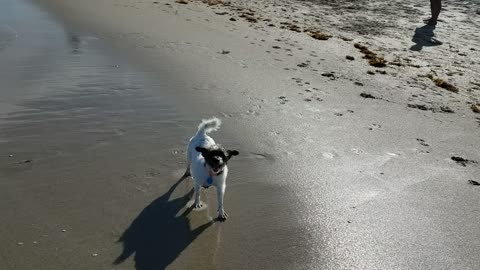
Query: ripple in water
[[7, 36]]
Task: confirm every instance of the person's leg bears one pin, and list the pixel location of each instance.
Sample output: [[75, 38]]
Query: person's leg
[[435, 7]]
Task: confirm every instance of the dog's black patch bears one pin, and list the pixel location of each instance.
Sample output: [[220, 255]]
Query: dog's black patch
[[216, 156]]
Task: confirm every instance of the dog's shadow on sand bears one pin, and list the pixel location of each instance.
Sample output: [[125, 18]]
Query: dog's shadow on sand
[[424, 37], [157, 236]]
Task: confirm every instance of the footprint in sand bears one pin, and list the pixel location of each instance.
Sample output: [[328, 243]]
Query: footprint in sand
[[226, 115], [422, 142], [375, 126], [356, 151], [252, 112], [283, 99], [261, 156], [329, 155]]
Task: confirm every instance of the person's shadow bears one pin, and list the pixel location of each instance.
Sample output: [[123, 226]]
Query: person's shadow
[[424, 37], [157, 236]]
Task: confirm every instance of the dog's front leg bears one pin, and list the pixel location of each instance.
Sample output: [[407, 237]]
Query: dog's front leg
[[222, 216], [197, 203]]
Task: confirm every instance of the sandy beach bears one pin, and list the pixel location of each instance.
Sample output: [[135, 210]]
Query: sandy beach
[[358, 130]]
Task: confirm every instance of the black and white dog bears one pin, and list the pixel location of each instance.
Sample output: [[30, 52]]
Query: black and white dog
[[207, 163]]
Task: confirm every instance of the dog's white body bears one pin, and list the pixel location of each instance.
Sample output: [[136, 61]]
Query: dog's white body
[[200, 170]]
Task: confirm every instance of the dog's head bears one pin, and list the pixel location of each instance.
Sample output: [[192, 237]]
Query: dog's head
[[216, 157]]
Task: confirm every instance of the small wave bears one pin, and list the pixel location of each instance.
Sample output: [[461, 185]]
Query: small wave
[[7, 36]]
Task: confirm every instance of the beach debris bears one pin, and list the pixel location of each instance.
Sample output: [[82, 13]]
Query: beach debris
[[349, 57], [214, 2], [225, 52], [181, 2], [473, 182], [475, 83], [397, 63], [251, 19], [295, 28], [443, 84], [444, 109], [338, 114], [291, 27], [247, 13], [10, 155], [418, 106], [64, 230], [276, 47], [319, 35], [475, 108], [249, 16], [94, 254], [349, 221], [330, 75], [373, 58], [463, 161], [367, 95], [20, 243], [441, 109]]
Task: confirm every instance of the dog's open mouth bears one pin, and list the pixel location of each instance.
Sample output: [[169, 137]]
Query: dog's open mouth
[[216, 170]]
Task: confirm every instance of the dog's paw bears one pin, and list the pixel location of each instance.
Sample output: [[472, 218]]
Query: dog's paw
[[222, 217], [198, 205]]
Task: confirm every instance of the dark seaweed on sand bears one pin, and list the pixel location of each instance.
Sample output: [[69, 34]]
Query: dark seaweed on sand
[[373, 58]]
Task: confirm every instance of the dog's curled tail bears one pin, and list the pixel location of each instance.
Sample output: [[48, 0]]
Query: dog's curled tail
[[209, 125]]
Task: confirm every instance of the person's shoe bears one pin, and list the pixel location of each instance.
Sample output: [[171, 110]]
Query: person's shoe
[[430, 22]]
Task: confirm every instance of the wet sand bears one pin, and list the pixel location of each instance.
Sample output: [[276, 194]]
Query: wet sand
[[326, 179]]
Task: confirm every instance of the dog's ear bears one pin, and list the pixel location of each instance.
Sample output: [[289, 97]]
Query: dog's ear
[[231, 153], [201, 150]]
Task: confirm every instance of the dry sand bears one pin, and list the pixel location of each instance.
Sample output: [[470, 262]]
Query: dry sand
[[343, 165]]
